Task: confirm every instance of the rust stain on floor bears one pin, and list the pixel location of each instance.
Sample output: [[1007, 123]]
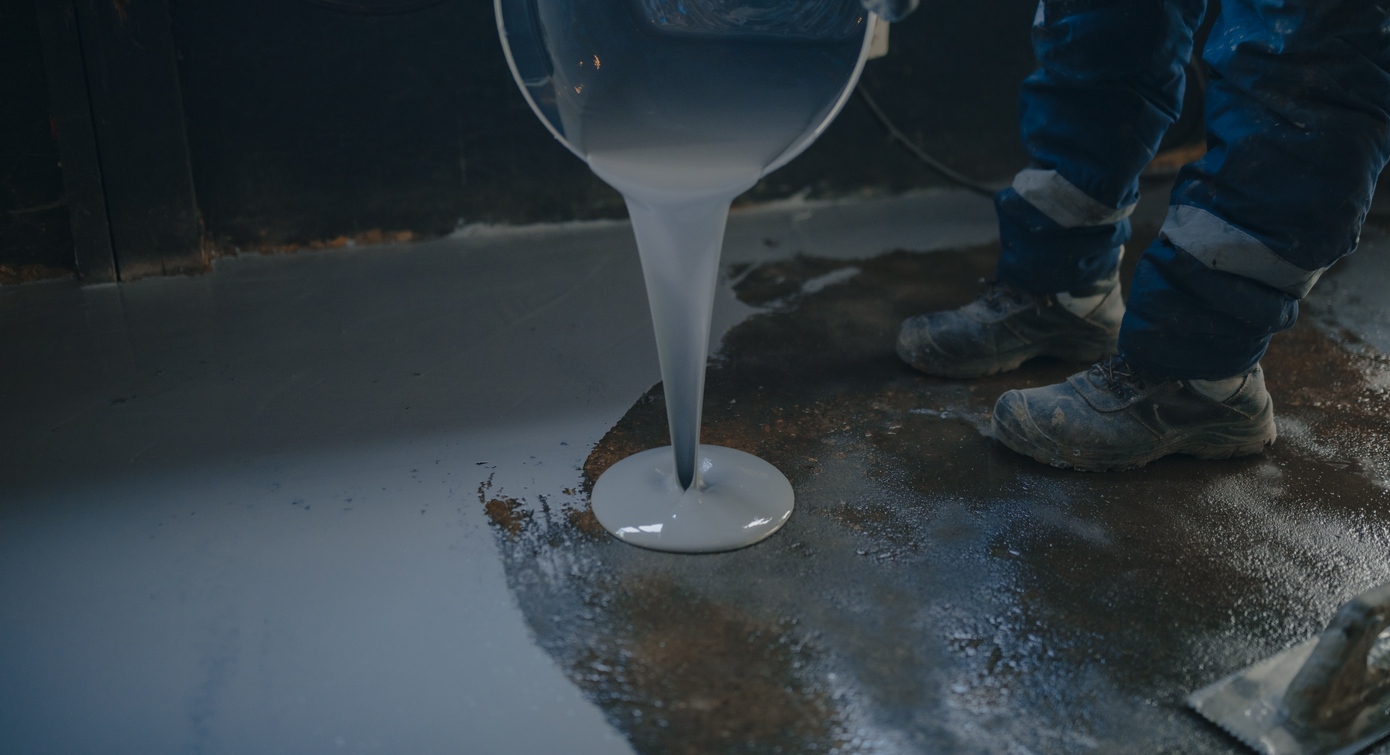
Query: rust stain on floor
[[373, 237], [935, 592], [505, 513], [13, 275], [691, 675]]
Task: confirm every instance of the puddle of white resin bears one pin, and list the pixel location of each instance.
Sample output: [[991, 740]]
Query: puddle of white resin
[[739, 500], [682, 109]]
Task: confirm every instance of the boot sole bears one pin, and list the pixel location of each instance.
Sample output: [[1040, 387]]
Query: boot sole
[[1206, 445], [1070, 350]]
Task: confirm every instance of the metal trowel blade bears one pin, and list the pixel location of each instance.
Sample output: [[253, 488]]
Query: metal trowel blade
[[1249, 705]]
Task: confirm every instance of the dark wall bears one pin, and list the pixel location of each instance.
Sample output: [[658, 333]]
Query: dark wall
[[35, 240], [224, 124], [307, 123]]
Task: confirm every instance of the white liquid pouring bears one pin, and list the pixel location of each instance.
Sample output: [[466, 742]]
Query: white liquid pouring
[[679, 237], [681, 124]]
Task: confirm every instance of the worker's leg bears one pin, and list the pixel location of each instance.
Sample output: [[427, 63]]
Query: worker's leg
[[1110, 83], [1298, 122]]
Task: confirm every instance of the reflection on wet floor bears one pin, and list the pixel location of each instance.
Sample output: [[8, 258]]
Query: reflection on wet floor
[[934, 591]]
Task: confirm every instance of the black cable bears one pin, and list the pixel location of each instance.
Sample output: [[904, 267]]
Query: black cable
[[941, 168]]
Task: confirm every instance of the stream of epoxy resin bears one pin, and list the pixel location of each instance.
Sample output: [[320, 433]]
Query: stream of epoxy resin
[[680, 244], [681, 111], [686, 497], [678, 183]]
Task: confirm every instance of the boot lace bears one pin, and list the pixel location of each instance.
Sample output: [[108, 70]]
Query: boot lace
[[999, 295], [1120, 377]]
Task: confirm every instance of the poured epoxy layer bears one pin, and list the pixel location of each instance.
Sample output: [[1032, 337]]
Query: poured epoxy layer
[[180, 567], [740, 500]]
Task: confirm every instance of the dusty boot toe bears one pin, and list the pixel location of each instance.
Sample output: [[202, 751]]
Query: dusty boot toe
[[1013, 426], [1115, 417]]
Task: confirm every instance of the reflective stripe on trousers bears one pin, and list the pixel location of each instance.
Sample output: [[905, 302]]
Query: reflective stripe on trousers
[[1109, 84]]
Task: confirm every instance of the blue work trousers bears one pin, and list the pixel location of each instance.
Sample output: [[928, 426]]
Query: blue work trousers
[[1298, 130]]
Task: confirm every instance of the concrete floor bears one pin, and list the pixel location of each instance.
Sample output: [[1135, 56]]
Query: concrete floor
[[335, 502]]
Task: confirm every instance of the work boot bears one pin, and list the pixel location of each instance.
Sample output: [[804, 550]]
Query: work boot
[[1113, 416], [1007, 326]]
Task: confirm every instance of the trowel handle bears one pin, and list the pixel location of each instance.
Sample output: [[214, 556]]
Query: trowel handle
[[1337, 677]]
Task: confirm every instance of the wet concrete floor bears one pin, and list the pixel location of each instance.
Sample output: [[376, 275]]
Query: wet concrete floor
[[935, 592], [335, 501]]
